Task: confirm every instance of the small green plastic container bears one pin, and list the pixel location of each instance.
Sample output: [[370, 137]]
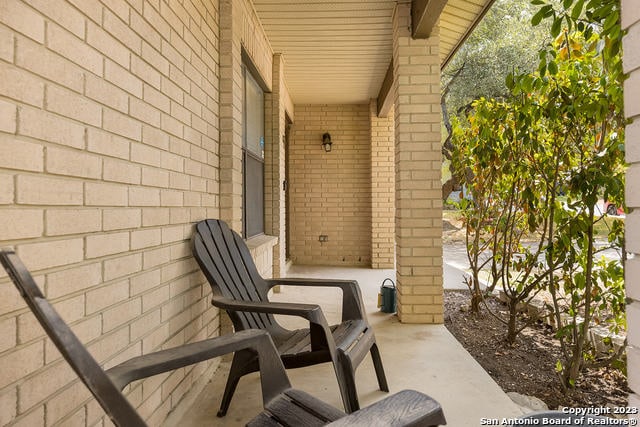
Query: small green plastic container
[[387, 296]]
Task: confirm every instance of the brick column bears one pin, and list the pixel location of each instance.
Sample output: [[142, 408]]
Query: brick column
[[418, 163], [274, 165], [231, 114], [631, 61], [231, 127], [382, 188]]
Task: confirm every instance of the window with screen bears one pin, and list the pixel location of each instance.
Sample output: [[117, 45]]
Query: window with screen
[[253, 157]]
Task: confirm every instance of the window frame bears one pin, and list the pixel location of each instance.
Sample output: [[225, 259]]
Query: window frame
[[253, 188]]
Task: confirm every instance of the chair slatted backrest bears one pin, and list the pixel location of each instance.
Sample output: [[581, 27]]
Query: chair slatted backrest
[[106, 393], [227, 263]]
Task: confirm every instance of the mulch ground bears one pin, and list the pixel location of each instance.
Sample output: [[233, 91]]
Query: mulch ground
[[528, 366]]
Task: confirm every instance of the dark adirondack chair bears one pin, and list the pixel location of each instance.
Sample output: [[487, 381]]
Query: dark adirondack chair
[[284, 406], [239, 289]]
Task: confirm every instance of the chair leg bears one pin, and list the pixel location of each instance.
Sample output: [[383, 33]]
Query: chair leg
[[241, 359], [377, 364], [347, 383]]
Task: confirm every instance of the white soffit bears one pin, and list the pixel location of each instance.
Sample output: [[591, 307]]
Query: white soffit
[[338, 51], [457, 20]]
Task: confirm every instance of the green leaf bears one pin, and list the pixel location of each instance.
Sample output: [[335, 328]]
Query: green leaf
[[556, 26], [593, 3], [567, 4], [537, 18], [542, 69], [509, 81], [576, 11], [610, 21], [542, 13], [553, 68], [569, 23], [588, 32]]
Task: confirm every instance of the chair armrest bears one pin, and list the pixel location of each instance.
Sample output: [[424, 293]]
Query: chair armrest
[[352, 305], [405, 408], [294, 281], [273, 377], [321, 336], [311, 312]]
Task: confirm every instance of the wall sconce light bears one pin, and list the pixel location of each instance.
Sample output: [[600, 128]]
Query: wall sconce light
[[326, 142]]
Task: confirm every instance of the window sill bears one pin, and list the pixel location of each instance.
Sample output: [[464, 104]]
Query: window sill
[[261, 243]]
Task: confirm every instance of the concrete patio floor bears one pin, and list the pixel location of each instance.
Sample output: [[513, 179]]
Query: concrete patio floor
[[421, 357]]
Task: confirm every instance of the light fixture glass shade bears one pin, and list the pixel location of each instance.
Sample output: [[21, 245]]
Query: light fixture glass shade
[[326, 142]]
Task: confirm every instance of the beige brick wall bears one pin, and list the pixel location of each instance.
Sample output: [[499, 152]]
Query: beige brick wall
[[418, 161], [382, 134], [631, 62], [331, 192], [109, 139]]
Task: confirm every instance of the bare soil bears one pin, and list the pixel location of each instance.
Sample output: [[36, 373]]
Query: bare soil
[[528, 366]]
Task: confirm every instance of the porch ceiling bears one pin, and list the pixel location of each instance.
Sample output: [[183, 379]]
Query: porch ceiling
[[338, 51]]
